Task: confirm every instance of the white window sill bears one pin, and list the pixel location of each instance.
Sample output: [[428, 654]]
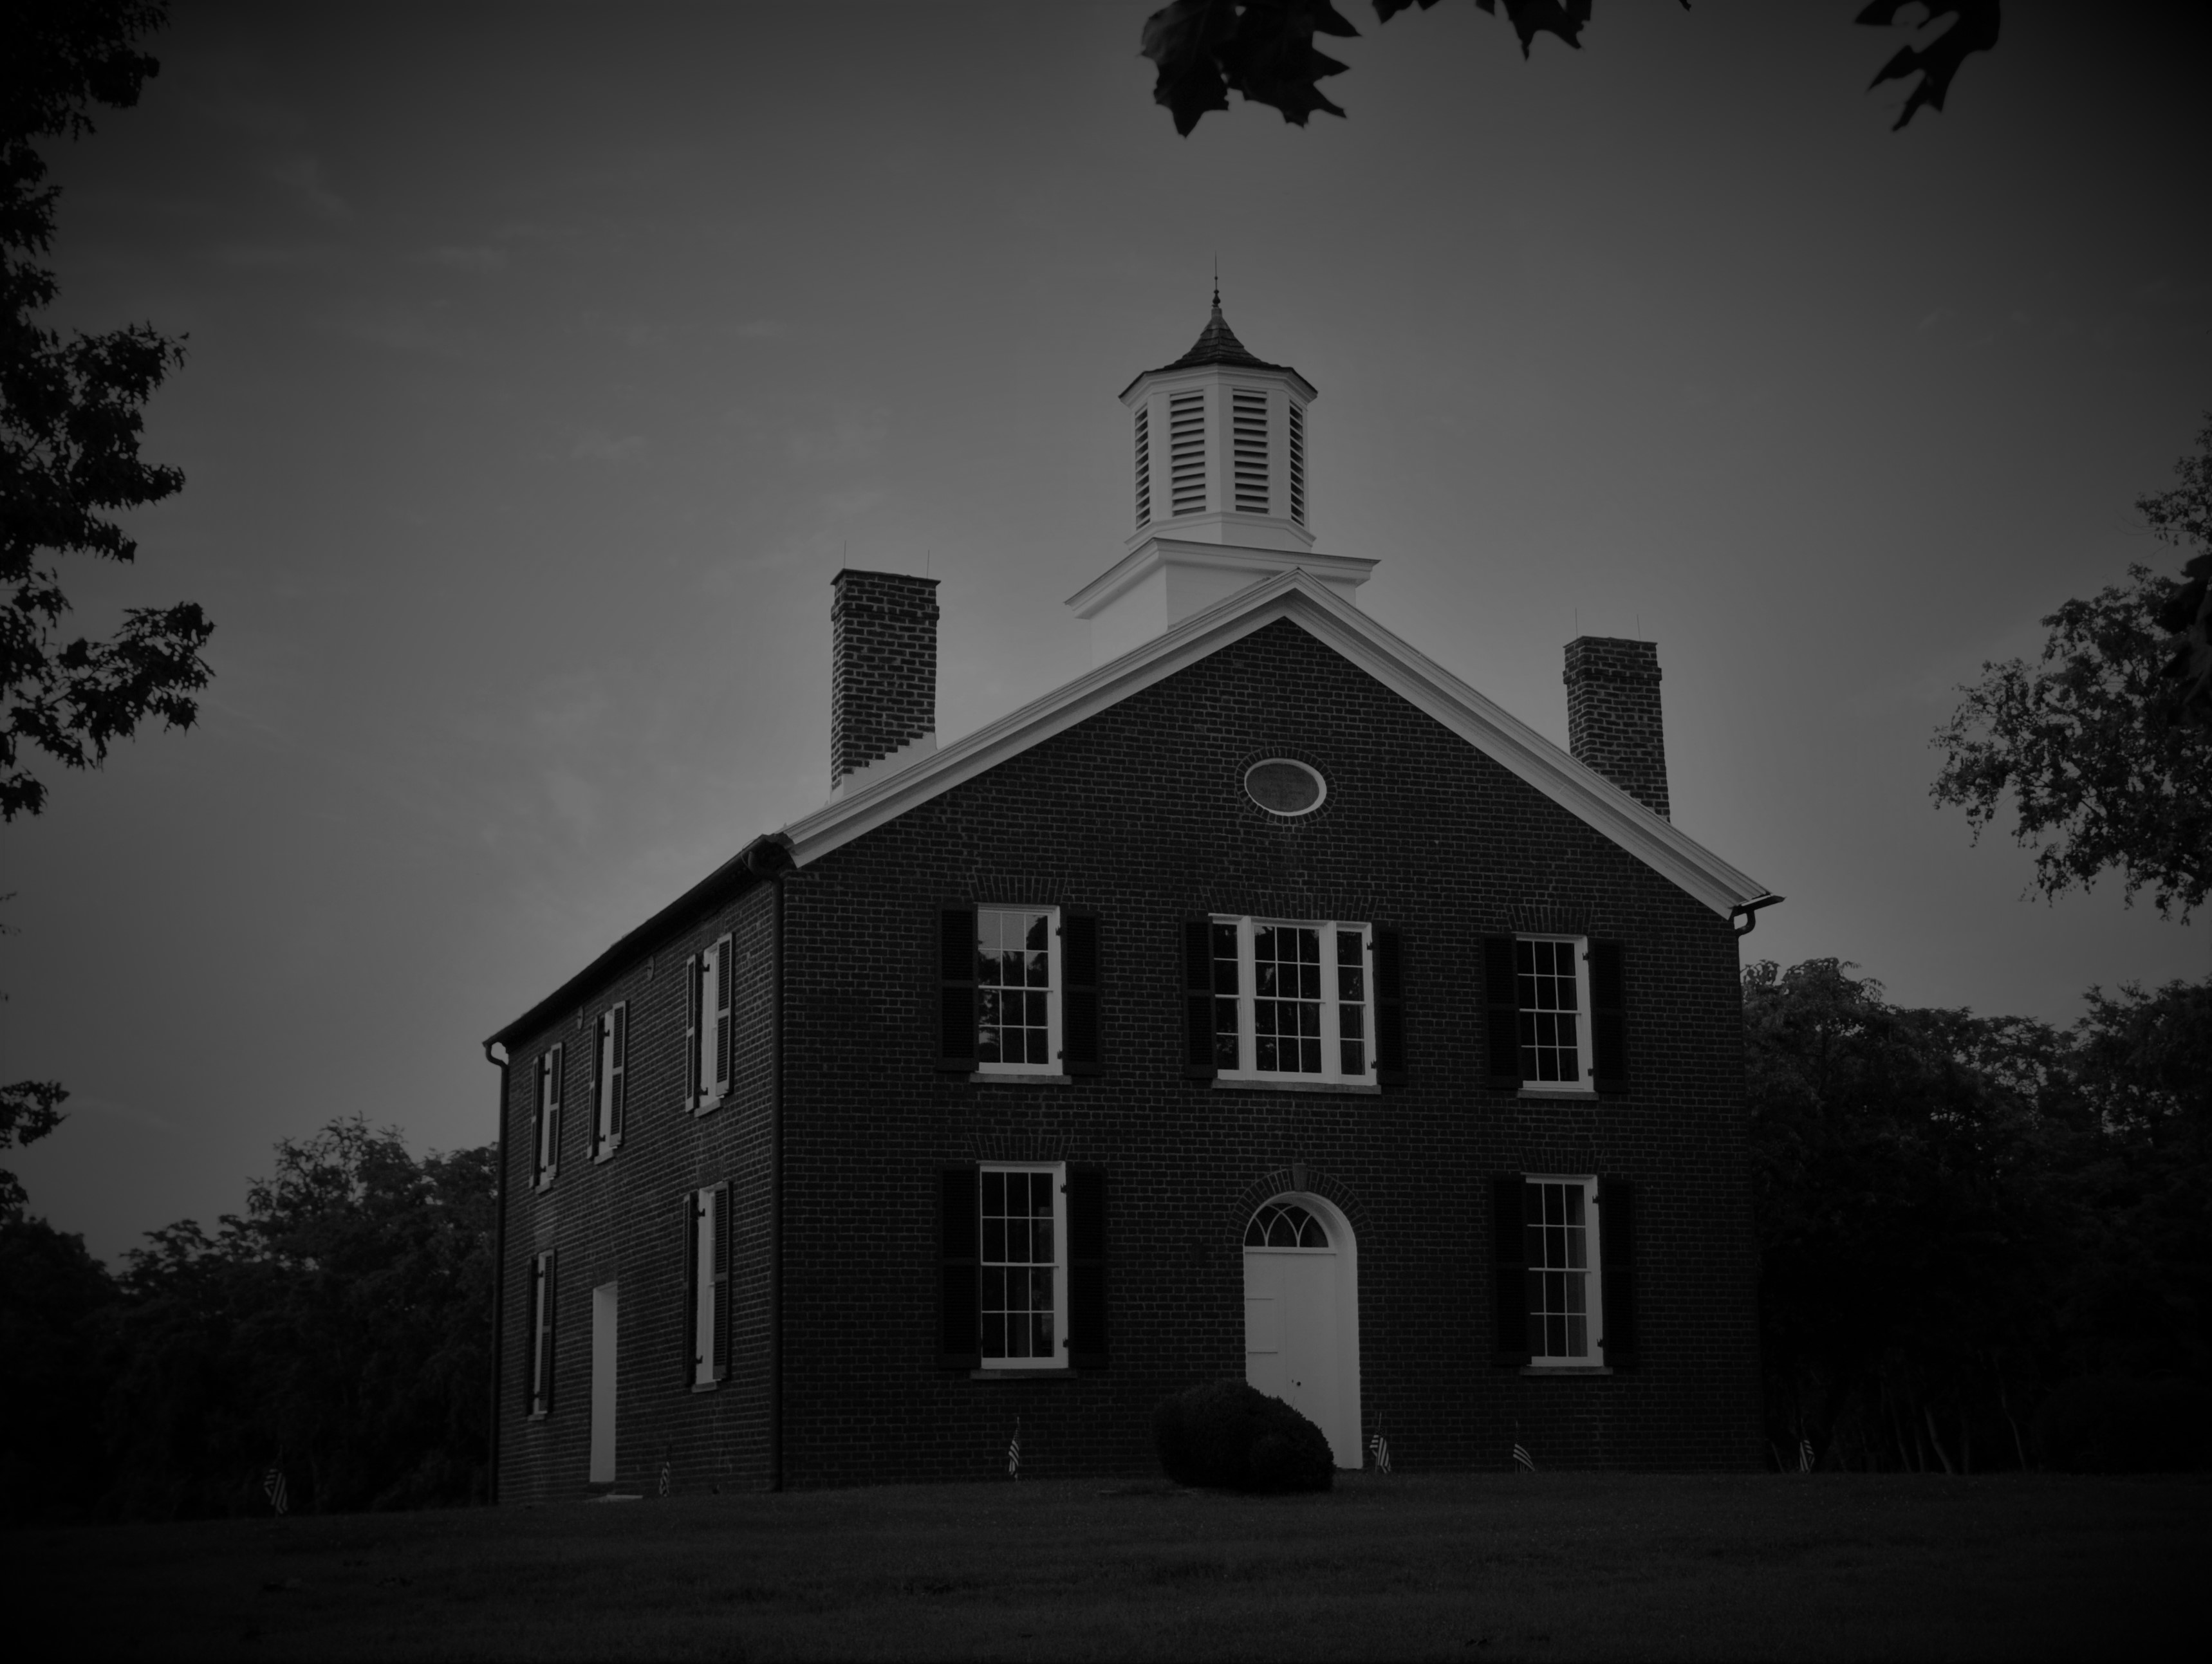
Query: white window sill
[[546, 1183], [1587, 1094], [607, 1154], [706, 1386], [1291, 1083], [1567, 1369], [1012, 1078], [1054, 1372]]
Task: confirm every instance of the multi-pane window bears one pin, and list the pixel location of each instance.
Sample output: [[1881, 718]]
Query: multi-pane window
[[609, 1078], [550, 1071], [1022, 1267], [1559, 1221], [1017, 1007], [1292, 999], [1554, 1028]]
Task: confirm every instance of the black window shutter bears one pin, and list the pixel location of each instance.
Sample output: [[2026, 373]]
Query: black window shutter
[[1390, 1009], [1086, 1267], [1198, 1000], [1501, 997], [552, 1308], [1509, 1253], [695, 969], [557, 1067], [1078, 998], [533, 1379], [1616, 1262], [725, 1019], [1608, 985], [687, 1284], [598, 1108], [619, 1070], [723, 1234], [959, 1319], [955, 1004]]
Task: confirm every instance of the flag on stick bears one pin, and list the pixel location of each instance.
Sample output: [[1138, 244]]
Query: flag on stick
[[1804, 1455], [1380, 1447], [1014, 1453], [1521, 1458], [272, 1486]]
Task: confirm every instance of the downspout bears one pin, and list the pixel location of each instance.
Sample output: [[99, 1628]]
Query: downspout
[[770, 859], [499, 1269], [1745, 915]]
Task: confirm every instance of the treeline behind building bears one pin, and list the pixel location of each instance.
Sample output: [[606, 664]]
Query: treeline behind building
[[1984, 1243]]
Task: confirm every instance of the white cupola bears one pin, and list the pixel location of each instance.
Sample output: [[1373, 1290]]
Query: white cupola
[[1221, 500]]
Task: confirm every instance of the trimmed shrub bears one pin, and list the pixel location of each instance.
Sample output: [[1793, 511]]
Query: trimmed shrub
[[1231, 1435], [2118, 1424]]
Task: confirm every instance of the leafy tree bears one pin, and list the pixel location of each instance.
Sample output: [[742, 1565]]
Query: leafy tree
[[71, 422], [51, 1381], [341, 1328], [1263, 49], [2095, 748]]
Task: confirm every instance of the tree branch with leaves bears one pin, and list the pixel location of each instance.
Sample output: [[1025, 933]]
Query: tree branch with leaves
[[1263, 49]]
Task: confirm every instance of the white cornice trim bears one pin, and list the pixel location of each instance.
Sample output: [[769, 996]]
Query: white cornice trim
[[1307, 602]]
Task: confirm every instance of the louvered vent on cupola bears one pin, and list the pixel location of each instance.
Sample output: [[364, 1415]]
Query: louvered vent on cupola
[[1187, 454], [1144, 465], [1249, 438], [1298, 463]]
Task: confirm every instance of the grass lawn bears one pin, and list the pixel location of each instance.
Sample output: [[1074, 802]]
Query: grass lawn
[[1552, 1566]]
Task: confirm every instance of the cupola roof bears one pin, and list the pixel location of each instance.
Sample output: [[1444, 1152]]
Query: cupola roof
[[1217, 343]]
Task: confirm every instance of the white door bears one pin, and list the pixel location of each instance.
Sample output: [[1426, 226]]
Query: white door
[[603, 1384], [1290, 1341]]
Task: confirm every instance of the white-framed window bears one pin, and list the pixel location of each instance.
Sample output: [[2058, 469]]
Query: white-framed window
[[1552, 990], [1293, 999], [707, 1276], [551, 1069], [1022, 1266], [709, 1027], [1561, 1237], [610, 1079], [541, 1333], [1017, 984]]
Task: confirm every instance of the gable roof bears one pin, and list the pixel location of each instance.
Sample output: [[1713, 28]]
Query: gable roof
[[1296, 595]]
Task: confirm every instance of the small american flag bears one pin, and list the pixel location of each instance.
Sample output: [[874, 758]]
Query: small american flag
[[1014, 1453], [1380, 1447], [1804, 1455], [1521, 1458], [663, 1479], [272, 1486]]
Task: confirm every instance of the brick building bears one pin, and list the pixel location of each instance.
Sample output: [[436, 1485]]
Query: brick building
[[1264, 1001]]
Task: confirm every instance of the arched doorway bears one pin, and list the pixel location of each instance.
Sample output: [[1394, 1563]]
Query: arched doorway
[[1302, 1315]]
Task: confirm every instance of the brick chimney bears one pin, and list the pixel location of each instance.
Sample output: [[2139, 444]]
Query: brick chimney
[[1613, 715], [883, 672]]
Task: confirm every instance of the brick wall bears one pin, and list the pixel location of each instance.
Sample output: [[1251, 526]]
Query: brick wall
[[883, 667], [1139, 812], [1612, 714]]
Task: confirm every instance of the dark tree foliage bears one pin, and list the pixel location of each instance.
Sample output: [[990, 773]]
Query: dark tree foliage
[[29, 1109], [52, 1386], [2089, 748], [1263, 49], [71, 415], [341, 1329], [1962, 1218]]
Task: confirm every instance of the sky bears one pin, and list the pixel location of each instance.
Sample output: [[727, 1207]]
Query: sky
[[546, 363]]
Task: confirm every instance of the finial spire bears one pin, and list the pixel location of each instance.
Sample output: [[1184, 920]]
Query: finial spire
[[1217, 282]]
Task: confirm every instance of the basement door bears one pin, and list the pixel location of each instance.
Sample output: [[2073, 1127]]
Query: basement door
[[1301, 1325], [603, 1384]]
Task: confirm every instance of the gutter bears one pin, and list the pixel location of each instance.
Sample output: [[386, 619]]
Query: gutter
[[769, 858], [499, 1271], [1745, 915]]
